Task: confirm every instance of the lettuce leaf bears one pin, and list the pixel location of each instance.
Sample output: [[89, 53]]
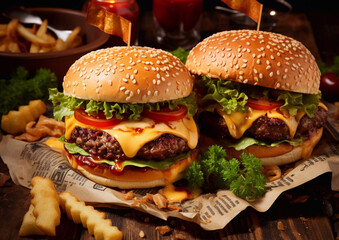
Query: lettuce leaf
[[72, 148], [247, 141], [158, 165], [233, 97], [181, 54], [297, 101], [65, 105], [228, 94]]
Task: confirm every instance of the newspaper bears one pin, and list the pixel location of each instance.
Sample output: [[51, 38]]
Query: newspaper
[[210, 211]]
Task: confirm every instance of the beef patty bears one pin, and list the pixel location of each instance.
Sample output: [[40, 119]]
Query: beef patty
[[105, 146], [264, 128]]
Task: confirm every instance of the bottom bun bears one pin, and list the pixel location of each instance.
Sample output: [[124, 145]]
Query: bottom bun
[[135, 178], [279, 155]]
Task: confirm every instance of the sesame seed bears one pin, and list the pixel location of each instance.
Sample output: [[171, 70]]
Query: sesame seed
[[271, 74], [148, 92], [260, 75]]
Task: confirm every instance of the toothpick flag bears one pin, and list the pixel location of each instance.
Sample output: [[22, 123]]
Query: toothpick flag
[[109, 22], [251, 8]]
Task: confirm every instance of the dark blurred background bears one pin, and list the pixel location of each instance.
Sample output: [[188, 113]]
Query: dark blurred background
[[322, 15], [298, 5]]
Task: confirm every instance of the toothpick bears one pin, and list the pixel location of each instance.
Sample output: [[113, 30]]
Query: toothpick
[[259, 21], [129, 34]]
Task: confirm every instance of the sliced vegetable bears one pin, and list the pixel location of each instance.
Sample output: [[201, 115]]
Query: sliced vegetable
[[263, 104], [166, 115], [98, 120]]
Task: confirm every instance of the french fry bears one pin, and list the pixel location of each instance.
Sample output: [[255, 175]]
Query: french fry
[[28, 226], [3, 26], [11, 29], [33, 38], [60, 45], [16, 121], [77, 42], [3, 45], [13, 47], [3, 32], [72, 37], [46, 205], [40, 33], [90, 218]]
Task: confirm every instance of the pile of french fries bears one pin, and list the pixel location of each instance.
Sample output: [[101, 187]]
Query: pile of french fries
[[16, 38], [43, 215]]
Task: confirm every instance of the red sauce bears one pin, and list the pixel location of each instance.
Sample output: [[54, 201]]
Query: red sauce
[[138, 130], [117, 169], [175, 14]]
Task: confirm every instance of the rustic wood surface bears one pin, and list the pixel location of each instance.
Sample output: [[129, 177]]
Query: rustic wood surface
[[308, 212]]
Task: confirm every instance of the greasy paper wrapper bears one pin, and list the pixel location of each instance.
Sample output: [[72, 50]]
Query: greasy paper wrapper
[[210, 211]]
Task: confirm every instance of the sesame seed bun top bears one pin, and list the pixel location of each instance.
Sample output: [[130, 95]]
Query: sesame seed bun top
[[133, 75], [258, 58]]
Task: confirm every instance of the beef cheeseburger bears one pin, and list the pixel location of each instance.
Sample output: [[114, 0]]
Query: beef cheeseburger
[[129, 117], [259, 93]]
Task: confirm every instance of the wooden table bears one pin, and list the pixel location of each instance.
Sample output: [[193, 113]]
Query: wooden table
[[308, 212]]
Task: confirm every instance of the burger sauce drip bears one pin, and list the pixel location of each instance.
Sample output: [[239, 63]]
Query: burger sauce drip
[[117, 169]]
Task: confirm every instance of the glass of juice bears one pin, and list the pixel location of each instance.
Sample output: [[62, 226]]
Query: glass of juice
[[128, 9], [177, 22]]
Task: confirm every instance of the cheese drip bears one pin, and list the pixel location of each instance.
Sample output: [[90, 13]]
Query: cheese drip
[[134, 134], [238, 122]]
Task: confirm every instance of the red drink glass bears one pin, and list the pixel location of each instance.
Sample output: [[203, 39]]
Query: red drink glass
[[128, 9], [177, 22]]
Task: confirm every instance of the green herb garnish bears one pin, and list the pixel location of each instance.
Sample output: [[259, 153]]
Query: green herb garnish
[[243, 177], [20, 88]]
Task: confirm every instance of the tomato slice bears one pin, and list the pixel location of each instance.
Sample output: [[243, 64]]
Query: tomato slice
[[263, 104], [166, 115], [97, 121]]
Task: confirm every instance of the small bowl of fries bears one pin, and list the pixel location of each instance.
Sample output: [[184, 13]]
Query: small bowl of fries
[[34, 46]]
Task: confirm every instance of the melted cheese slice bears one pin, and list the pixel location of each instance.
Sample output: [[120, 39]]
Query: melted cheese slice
[[133, 134], [238, 122]]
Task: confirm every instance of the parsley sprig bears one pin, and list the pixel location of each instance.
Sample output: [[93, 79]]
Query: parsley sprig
[[243, 177]]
